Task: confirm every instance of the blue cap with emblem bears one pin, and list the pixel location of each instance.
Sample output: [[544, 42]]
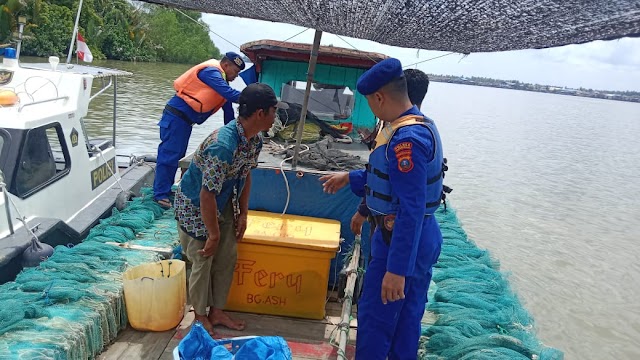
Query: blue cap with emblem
[[379, 75], [236, 59]]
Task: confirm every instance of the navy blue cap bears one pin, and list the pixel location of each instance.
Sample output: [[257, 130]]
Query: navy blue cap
[[379, 75], [235, 58]]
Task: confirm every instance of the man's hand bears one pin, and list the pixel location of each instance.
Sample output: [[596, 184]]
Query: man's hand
[[356, 223], [210, 246], [334, 182], [392, 287], [241, 226]]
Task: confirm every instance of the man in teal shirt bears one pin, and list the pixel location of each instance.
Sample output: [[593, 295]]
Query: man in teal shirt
[[212, 203]]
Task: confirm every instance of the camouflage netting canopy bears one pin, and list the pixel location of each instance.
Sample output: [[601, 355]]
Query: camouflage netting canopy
[[463, 26]]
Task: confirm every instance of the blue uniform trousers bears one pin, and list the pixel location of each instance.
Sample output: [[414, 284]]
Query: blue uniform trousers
[[174, 136], [392, 331]]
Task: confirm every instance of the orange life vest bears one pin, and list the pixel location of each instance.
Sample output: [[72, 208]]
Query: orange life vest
[[198, 95]]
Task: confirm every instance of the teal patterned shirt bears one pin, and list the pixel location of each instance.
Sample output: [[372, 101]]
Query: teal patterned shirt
[[219, 165]]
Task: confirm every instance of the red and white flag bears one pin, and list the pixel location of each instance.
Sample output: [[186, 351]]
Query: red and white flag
[[82, 50]]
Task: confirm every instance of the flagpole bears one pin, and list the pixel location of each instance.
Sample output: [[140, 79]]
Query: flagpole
[[75, 32]]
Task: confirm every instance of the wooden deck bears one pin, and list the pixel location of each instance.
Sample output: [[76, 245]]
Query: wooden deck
[[308, 339]]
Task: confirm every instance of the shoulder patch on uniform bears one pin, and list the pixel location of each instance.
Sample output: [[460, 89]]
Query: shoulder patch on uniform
[[403, 146], [403, 154]]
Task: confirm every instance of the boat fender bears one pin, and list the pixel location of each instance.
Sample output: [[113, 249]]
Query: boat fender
[[36, 253], [150, 158], [143, 158], [122, 199], [8, 98]]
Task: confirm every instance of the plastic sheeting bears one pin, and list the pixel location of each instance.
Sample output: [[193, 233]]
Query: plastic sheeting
[[463, 26], [198, 345]]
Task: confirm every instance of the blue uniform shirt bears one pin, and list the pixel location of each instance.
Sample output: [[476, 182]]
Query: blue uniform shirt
[[212, 77], [414, 234]]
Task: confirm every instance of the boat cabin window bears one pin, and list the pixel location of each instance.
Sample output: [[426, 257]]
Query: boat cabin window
[[43, 160], [328, 102]]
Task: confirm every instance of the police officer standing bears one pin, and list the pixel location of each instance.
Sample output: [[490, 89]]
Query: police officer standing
[[200, 92], [403, 189]]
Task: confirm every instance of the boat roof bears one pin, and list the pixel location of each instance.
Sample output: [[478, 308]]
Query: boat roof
[[96, 72], [463, 26], [258, 51]]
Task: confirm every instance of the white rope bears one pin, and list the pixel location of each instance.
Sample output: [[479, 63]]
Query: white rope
[[286, 182], [95, 148], [206, 27], [433, 58], [23, 86], [21, 218]]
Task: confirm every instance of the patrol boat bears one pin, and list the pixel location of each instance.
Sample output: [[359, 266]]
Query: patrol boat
[[57, 181]]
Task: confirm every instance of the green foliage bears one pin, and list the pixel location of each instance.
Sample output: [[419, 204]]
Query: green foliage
[[50, 35], [179, 39], [113, 29], [7, 20]]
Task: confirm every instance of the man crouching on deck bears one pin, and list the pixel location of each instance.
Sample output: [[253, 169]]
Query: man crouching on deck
[[211, 217]]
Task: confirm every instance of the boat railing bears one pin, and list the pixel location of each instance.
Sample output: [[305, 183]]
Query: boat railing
[[65, 98], [104, 88]]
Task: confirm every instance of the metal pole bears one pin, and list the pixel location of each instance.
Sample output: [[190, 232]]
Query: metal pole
[[305, 102], [21, 22], [115, 94], [75, 31], [7, 208]]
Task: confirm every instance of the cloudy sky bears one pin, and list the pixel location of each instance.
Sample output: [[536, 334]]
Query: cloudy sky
[[605, 65]]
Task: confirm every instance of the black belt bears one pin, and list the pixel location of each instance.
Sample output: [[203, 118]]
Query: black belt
[[378, 220], [386, 233], [179, 114]]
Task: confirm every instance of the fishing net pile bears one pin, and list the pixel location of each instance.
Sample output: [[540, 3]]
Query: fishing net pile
[[478, 316], [318, 137], [463, 26], [71, 306], [320, 155]]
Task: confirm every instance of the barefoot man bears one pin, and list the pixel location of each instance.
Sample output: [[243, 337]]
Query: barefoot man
[[212, 202]]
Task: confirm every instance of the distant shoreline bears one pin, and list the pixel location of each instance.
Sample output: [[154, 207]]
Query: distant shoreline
[[511, 85]]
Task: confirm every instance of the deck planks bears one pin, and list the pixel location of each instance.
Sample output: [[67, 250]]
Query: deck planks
[[308, 339]]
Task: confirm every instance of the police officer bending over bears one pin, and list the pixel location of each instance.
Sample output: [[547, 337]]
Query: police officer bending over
[[200, 92]]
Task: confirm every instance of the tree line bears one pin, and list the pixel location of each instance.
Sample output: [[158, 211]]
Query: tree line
[[113, 29]]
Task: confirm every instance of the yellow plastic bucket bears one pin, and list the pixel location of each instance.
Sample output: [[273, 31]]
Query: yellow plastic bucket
[[155, 295]]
